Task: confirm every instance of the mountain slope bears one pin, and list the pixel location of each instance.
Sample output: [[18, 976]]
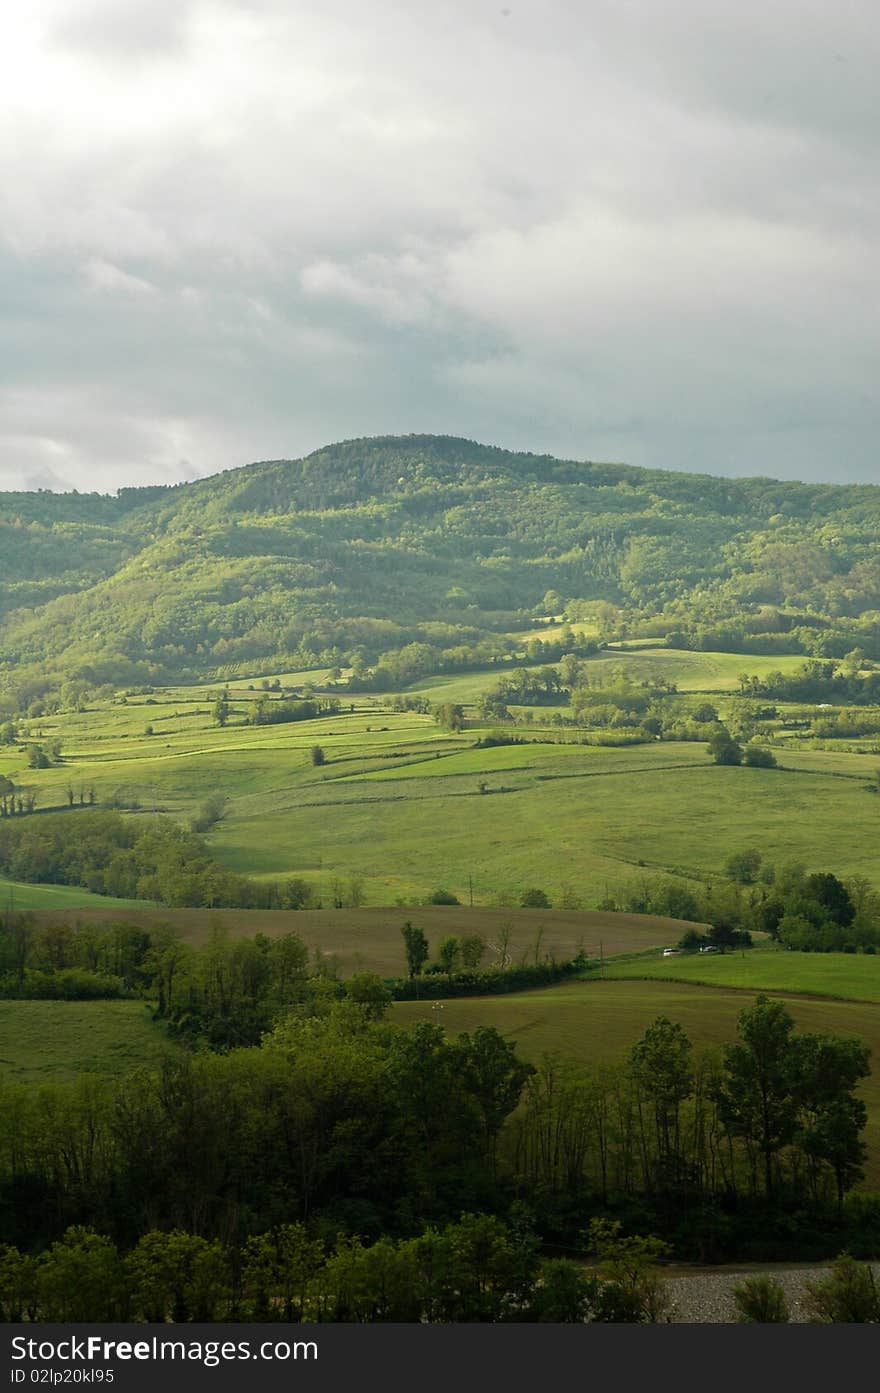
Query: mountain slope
[[371, 544]]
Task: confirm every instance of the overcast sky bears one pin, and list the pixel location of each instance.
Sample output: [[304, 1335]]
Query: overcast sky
[[636, 230]]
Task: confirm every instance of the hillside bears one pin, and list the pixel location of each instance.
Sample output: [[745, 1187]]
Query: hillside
[[368, 546]]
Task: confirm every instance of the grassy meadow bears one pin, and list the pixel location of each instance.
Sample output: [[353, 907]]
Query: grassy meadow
[[20, 895], [57, 1041], [405, 806], [846, 976]]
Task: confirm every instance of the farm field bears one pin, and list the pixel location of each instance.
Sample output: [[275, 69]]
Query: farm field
[[573, 816], [19, 894], [369, 939], [849, 976], [405, 806], [691, 672], [599, 1020], [58, 1041]]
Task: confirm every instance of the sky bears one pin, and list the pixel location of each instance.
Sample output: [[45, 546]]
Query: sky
[[633, 230]]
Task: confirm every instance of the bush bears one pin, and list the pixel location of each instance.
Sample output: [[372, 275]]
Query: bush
[[534, 899], [491, 982], [757, 757], [318, 756], [761, 1301], [849, 1296], [443, 897], [68, 984], [691, 941]]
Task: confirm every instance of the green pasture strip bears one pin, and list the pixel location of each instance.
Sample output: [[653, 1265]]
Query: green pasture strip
[[57, 1041], [848, 976], [18, 894], [551, 633], [496, 757]]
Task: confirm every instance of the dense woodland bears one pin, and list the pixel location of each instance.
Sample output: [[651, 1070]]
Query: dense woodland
[[362, 550]]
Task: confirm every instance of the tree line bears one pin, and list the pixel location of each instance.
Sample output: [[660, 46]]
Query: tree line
[[808, 910], [151, 859]]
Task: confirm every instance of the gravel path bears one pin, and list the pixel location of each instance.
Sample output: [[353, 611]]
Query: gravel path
[[708, 1296]]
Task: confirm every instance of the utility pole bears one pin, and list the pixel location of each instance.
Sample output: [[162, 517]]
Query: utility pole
[[471, 889]]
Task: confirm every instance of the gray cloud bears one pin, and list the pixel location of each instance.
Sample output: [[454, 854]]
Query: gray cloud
[[240, 229], [119, 30]]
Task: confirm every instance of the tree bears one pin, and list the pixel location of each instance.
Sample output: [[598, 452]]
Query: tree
[[299, 894], [448, 953], [416, 947], [832, 895], [222, 708], [633, 1292], [450, 715], [318, 755], [662, 1067], [494, 1076], [724, 749], [17, 1285], [756, 1095], [80, 1279], [177, 1276], [563, 1293], [7, 796], [471, 948], [831, 1117], [370, 993], [278, 1268]]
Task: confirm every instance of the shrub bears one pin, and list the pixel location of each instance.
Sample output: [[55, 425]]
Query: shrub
[[443, 897], [848, 1296], [724, 749], [757, 757], [534, 899], [761, 1301]]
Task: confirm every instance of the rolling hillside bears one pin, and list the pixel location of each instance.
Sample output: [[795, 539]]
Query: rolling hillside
[[373, 545]]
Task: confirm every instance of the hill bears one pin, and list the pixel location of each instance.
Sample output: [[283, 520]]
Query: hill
[[440, 547]]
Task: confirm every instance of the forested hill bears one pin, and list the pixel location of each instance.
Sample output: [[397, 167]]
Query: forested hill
[[372, 544]]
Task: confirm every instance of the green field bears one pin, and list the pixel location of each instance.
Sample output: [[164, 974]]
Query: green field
[[851, 977], [406, 806], [18, 895], [56, 1041]]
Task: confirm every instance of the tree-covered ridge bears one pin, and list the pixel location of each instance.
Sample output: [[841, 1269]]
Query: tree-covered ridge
[[372, 544]]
